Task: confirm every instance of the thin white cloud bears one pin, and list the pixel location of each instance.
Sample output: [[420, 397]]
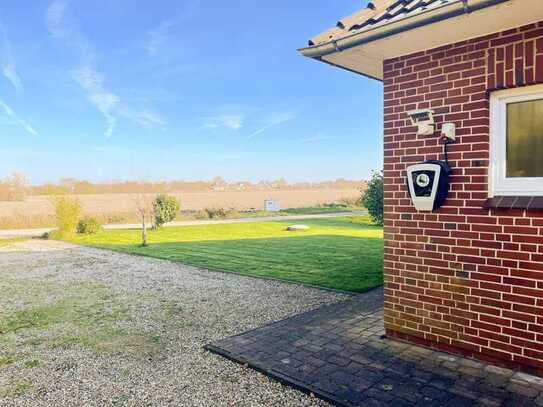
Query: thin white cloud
[[145, 118], [104, 100], [8, 111], [63, 26], [228, 121], [88, 78], [54, 18], [10, 72], [8, 66], [157, 37], [105, 103], [273, 121], [160, 38]]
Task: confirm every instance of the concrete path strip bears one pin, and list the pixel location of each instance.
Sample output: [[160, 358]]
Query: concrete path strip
[[39, 232]]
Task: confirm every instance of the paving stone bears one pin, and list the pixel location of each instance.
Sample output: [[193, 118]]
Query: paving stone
[[441, 382], [471, 363], [464, 391], [360, 358], [333, 347], [353, 367], [313, 348], [379, 394], [451, 365], [350, 396], [499, 370], [338, 351], [488, 401], [523, 390], [291, 362], [435, 393], [495, 380], [522, 377], [371, 375], [410, 394], [472, 371], [399, 403], [459, 401], [493, 391], [517, 401], [315, 361], [372, 402], [361, 385], [421, 374], [301, 343], [448, 358]]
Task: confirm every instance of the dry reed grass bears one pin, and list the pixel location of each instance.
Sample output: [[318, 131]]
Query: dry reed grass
[[37, 211]]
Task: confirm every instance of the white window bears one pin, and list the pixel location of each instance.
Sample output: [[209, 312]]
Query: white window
[[516, 142]]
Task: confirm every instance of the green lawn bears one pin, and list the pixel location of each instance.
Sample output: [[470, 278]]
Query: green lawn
[[326, 208], [339, 253]]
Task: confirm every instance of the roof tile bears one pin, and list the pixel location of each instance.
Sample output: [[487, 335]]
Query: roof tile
[[377, 13]]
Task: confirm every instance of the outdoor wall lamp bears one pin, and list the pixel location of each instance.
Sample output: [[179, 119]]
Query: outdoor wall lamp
[[424, 119]]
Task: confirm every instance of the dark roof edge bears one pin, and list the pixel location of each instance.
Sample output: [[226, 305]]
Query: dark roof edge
[[407, 27]]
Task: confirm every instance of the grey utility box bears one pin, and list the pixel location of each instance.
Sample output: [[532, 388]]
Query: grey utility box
[[271, 205]]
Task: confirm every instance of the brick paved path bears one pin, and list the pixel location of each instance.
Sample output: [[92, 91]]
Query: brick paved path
[[337, 352]]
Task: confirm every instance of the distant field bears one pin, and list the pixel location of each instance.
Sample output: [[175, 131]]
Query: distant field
[[341, 253], [37, 211]]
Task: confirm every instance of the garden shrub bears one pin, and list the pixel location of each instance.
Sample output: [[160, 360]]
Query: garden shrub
[[88, 226], [67, 214], [201, 214], [349, 202], [214, 213], [165, 209], [373, 198]]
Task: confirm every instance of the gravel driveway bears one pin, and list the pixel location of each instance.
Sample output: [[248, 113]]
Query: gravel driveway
[[81, 326]]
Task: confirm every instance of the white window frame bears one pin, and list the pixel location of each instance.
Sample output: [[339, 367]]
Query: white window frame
[[499, 184]]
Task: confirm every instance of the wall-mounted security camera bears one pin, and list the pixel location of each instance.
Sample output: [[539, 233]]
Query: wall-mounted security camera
[[428, 184], [424, 120]]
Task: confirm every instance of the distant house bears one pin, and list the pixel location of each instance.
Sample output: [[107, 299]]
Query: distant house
[[463, 249]]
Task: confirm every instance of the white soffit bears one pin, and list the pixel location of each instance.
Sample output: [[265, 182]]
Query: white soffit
[[367, 59]]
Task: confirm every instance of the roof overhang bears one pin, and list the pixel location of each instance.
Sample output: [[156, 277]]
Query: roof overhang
[[364, 52]]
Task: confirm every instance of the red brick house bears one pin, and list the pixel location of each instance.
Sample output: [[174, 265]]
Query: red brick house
[[465, 276]]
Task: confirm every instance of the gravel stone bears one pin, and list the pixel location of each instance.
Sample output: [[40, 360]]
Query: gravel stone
[[208, 306]]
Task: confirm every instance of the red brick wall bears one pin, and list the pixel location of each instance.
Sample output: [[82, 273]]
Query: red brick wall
[[462, 279]]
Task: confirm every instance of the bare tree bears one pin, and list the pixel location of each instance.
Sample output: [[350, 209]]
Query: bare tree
[[145, 210], [14, 187]]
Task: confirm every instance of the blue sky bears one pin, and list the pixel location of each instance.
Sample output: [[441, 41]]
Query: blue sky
[[180, 89]]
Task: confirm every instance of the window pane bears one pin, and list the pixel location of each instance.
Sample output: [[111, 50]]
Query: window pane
[[525, 139]]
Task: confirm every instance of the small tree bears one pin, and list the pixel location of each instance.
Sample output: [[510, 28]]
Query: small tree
[[145, 210], [165, 209], [67, 214], [373, 198]]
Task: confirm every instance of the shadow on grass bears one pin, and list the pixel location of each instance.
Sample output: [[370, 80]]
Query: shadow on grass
[[329, 261]]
